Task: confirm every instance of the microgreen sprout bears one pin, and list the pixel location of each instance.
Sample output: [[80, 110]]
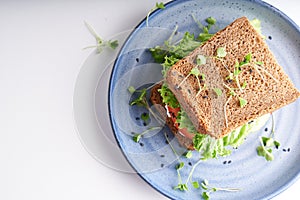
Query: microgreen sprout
[[201, 60], [221, 52], [234, 76], [257, 26], [244, 85], [100, 43], [196, 72], [183, 186], [157, 6], [141, 99], [205, 35], [209, 189], [267, 144], [137, 136], [180, 186], [131, 89], [211, 21], [218, 91], [258, 66], [196, 184], [225, 113], [145, 118], [188, 154], [242, 101], [192, 171], [237, 70]]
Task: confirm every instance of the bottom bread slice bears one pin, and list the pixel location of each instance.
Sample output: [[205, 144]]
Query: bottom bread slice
[[157, 102]]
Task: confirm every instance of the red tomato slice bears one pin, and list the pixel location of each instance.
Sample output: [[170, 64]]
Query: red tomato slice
[[173, 114]]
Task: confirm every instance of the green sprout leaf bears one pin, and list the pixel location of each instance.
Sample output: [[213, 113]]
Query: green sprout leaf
[[267, 144], [113, 44], [277, 144], [244, 85], [157, 6], [145, 116], [181, 187], [218, 91], [204, 184], [237, 69], [201, 60], [211, 21], [188, 154], [209, 189], [265, 150], [259, 63], [221, 52], [141, 99], [246, 60], [137, 137], [180, 166], [243, 102], [203, 37], [196, 184], [100, 43], [195, 71], [267, 141], [205, 195], [160, 5], [131, 89]]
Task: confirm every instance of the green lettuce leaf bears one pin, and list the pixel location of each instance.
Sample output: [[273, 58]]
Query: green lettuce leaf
[[186, 45], [168, 97], [210, 147]]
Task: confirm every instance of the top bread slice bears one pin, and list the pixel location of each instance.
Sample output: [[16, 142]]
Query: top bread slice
[[262, 82]]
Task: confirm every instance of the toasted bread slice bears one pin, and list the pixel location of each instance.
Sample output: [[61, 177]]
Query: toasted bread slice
[[260, 87]]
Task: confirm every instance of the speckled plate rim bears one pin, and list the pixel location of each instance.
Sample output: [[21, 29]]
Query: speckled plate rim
[[153, 14]]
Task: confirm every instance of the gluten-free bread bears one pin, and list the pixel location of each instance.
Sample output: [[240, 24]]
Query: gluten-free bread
[[261, 86]]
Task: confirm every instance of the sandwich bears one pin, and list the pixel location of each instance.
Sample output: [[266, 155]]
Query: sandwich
[[221, 88]]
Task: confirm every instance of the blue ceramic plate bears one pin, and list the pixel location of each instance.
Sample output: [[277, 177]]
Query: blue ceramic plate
[[153, 158]]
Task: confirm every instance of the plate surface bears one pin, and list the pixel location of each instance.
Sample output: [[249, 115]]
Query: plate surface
[[153, 158]]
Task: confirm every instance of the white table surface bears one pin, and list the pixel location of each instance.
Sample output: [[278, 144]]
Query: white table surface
[[41, 56]]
